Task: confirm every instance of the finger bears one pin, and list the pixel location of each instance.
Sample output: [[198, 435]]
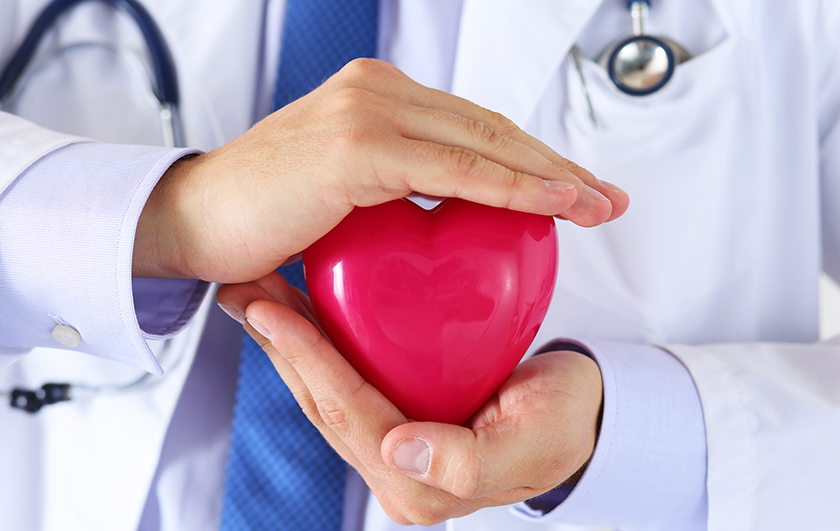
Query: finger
[[309, 313], [274, 289], [274, 286], [382, 165], [590, 206], [285, 304], [505, 458], [355, 432], [342, 403], [389, 81], [242, 296], [292, 259], [286, 328], [263, 336], [446, 171], [497, 138], [350, 413], [442, 127], [537, 430], [234, 298], [437, 99]]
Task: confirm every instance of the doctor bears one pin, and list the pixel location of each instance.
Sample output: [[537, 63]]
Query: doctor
[[733, 187], [132, 210]]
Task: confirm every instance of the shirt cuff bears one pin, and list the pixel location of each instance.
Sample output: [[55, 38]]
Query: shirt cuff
[[67, 227], [648, 470], [164, 306]]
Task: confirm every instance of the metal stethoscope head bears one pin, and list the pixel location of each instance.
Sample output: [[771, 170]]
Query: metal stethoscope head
[[642, 64]]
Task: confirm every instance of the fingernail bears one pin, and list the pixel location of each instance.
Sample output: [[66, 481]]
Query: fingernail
[[412, 455], [614, 188], [597, 194], [260, 327], [560, 185], [234, 313]]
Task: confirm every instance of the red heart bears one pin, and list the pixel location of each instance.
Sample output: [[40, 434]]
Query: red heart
[[434, 308]]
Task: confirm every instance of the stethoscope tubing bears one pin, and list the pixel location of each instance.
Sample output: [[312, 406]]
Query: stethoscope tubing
[[163, 65], [165, 90]]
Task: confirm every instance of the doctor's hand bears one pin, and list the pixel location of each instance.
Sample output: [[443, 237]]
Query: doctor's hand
[[531, 436], [368, 135]]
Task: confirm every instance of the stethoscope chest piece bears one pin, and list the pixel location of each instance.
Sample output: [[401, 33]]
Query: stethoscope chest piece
[[642, 64]]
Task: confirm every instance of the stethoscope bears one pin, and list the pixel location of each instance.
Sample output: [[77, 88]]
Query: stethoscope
[[33, 400], [165, 85], [638, 65], [165, 90]]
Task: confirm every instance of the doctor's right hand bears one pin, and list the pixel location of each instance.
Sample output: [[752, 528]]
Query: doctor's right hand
[[368, 135]]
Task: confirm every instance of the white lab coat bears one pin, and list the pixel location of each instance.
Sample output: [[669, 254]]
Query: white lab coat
[[734, 174]]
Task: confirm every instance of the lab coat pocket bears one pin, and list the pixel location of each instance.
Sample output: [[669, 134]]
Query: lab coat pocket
[[661, 121], [683, 154]]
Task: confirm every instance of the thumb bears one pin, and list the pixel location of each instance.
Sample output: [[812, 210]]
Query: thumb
[[470, 463]]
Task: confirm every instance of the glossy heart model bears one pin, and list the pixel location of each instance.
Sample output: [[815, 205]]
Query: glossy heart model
[[434, 308]]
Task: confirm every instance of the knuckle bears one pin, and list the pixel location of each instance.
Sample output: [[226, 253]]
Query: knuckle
[[334, 416], [497, 138], [389, 501], [334, 412], [518, 179], [464, 473], [486, 133], [571, 165], [463, 162], [424, 507], [350, 101], [504, 124], [297, 356], [491, 136], [576, 169], [352, 113], [309, 407], [359, 72]]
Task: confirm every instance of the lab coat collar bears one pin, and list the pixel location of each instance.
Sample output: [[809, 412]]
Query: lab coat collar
[[508, 51]]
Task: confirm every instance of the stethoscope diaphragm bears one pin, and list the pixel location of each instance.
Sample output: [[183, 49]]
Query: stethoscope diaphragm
[[642, 64]]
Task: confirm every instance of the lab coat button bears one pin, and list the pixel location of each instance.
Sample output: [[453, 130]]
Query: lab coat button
[[66, 335]]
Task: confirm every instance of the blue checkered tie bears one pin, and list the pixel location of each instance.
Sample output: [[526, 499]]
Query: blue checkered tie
[[281, 474]]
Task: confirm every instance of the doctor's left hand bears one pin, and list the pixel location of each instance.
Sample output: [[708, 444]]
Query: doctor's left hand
[[531, 436]]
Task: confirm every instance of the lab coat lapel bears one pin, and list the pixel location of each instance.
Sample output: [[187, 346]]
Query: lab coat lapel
[[508, 51]]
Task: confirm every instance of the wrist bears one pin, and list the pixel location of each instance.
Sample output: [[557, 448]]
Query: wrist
[[589, 378], [596, 381], [163, 243]]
